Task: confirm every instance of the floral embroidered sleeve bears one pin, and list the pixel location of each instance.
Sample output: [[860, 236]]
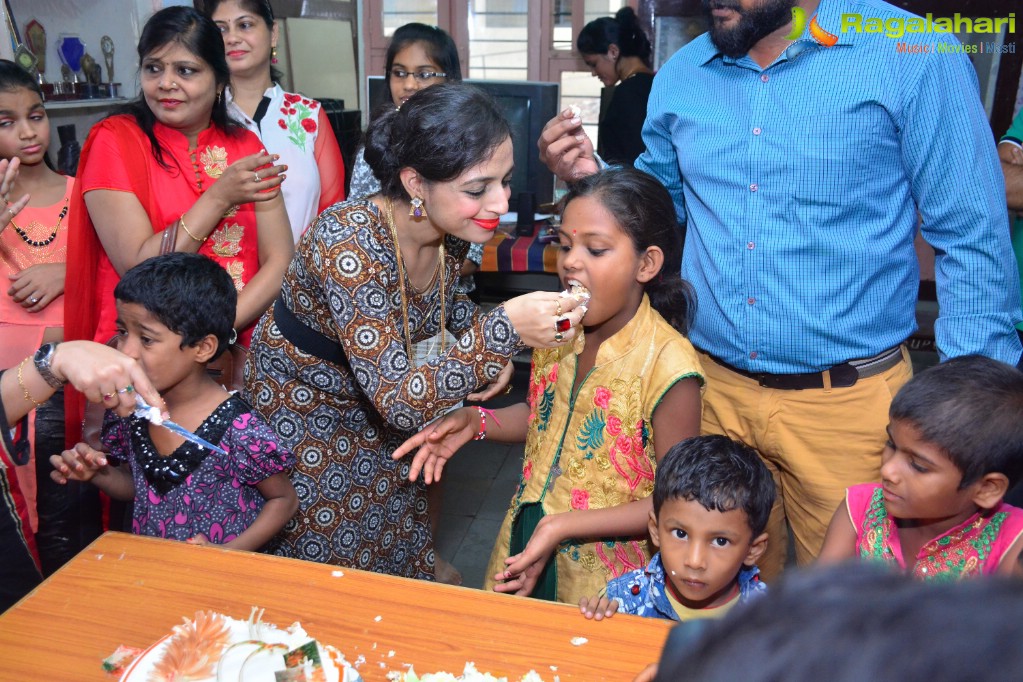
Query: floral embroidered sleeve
[[358, 274]]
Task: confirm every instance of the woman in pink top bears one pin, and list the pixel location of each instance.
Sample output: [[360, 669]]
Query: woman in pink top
[[33, 251]]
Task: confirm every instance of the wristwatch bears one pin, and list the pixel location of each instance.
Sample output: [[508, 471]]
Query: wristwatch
[[43, 358]]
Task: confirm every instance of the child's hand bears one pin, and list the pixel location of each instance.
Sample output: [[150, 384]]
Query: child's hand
[[78, 464], [438, 442], [200, 540], [523, 570], [8, 175], [37, 286], [598, 608]]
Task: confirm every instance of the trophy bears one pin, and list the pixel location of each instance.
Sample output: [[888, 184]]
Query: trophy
[[106, 44]]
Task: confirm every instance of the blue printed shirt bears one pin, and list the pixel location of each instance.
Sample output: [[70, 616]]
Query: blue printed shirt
[[800, 185], [641, 592]]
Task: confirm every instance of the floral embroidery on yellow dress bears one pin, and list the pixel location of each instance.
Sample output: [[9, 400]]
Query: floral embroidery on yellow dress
[[594, 449]]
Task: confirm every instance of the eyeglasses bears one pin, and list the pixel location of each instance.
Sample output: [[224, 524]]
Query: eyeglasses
[[421, 76]]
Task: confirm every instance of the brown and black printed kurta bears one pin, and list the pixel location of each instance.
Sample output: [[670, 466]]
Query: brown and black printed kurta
[[344, 420]]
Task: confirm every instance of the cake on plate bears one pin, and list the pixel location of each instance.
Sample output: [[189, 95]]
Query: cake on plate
[[216, 648]]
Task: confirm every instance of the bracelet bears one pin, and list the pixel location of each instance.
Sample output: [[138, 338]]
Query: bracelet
[[184, 227], [482, 434], [24, 388]]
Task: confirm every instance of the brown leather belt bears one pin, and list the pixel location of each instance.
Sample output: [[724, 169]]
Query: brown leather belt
[[842, 376]]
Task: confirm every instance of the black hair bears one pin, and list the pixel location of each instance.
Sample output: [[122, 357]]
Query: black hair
[[199, 35], [440, 132], [438, 45], [856, 622], [189, 293], [623, 30], [263, 10], [721, 474], [644, 210], [972, 408], [14, 77]]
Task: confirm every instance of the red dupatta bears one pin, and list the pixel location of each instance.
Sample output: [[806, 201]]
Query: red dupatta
[[85, 253]]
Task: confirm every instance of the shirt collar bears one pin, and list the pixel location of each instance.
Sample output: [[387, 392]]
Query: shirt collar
[[828, 17], [273, 91]]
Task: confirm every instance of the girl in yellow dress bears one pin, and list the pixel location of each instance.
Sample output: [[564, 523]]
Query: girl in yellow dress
[[599, 412]]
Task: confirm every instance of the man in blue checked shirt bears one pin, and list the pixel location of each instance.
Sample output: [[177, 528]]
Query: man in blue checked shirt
[[799, 165]]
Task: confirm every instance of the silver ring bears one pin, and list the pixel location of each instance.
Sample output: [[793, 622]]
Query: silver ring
[[127, 389], [11, 211], [33, 300], [257, 178]]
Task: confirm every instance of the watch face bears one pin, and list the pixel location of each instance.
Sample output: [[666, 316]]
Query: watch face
[[42, 359]]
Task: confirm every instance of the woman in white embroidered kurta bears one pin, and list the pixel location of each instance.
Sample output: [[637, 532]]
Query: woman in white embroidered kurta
[[290, 125]]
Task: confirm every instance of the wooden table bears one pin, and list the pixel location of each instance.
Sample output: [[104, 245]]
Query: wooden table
[[131, 590]]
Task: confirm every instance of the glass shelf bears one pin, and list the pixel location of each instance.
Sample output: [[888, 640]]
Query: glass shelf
[[94, 103]]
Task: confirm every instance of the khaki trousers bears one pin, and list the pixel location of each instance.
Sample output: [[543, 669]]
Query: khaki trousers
[[816, 443]]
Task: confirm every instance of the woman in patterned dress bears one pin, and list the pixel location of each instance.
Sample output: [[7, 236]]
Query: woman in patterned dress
[[331, 366]]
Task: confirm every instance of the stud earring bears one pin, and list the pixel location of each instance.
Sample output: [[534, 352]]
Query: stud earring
[[273, 54], [416, 208]]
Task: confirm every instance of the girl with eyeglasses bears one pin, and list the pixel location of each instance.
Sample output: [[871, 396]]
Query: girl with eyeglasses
[[418, 57], [289, 124]]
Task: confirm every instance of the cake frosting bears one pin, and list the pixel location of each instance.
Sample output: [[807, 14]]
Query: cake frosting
[[216, 648]]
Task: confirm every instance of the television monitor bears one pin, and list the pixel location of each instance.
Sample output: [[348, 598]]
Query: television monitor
[[527, 105]]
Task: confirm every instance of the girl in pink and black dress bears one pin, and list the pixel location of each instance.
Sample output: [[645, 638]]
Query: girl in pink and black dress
[[174, 315], [955, 446]]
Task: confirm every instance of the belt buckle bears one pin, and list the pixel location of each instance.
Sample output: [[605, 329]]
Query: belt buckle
[[844, 375]]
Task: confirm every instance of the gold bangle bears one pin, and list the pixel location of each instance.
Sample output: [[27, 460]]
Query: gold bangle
[[184, 227], [24, 388]]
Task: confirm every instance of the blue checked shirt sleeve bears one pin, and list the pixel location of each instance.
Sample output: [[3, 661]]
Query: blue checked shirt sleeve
[[959, 189], [660, 158]]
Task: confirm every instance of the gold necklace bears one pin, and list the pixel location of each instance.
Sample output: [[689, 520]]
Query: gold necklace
[[389, 216], [42, 242]]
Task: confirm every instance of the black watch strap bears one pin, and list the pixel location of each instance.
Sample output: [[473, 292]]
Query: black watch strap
[[43, 359]]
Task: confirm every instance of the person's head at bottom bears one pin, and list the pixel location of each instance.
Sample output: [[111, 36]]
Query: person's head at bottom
[[856, 622]]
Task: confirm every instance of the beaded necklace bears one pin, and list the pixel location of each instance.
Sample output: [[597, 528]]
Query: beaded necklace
[[389, 215], [53, 235]]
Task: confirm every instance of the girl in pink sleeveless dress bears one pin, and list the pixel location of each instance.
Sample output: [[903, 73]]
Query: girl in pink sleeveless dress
[[955, 446]]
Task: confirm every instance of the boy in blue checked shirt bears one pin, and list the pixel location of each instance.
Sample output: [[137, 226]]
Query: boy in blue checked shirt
[[712, 497]]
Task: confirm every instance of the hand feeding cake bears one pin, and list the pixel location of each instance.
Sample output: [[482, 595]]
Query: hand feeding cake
[[215, 648]]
